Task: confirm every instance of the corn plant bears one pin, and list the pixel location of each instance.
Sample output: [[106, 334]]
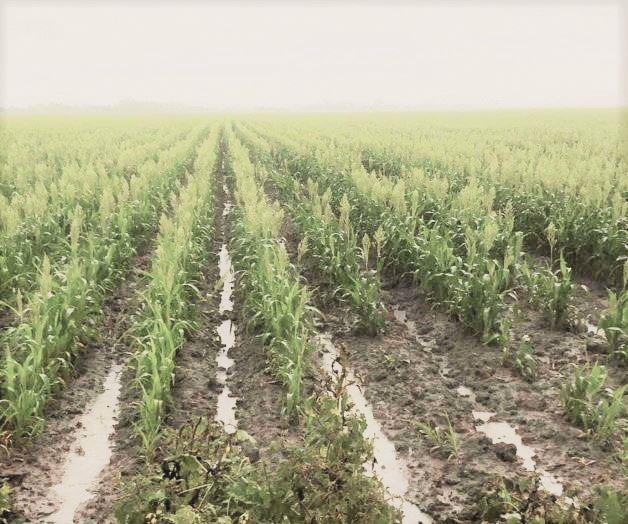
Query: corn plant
[[334, 247], [459, 273], [445, 440], [55, 319], [36, 214], [166, 312], [614, 323], [279, 305], [589, 405], [551, 290], [523, 359]]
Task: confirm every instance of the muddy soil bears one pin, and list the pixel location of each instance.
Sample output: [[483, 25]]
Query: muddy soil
[[33, 466], [415, 372], [259, 406], [194, 391]]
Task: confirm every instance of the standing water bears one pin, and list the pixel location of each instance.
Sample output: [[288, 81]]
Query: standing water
[[225, 410], [387, 467], [504, 432], [91, 450]]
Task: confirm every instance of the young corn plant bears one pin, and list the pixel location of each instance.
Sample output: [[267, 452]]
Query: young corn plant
[[445, 440], [590, 406], [55, 318], [333, 246], [278, 303], [614, 323], [551, 291], [166, 312], [523, 359], [41, 348]]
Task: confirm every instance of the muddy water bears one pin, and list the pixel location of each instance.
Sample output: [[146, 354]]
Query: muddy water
[[226, 404], [387, 467], [91, 450], [226, 275], [504, 432]]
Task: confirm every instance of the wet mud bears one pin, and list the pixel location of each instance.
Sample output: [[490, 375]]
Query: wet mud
[[426, 369]]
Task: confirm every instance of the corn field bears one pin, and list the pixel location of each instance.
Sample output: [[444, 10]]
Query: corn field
[[428, 318]]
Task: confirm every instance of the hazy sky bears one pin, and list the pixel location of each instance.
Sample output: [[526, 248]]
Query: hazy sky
[[313, 55]]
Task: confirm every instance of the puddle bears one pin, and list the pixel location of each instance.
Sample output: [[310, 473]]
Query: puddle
[[504, 432], [226, 404], [550, 483], [91, 451], [390, 470], [226, 274], [225, 409]]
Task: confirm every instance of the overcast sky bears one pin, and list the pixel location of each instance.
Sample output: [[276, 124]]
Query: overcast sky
[[315, 55]]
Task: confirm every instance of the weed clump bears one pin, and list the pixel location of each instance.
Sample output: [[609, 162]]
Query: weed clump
[[207, 477]]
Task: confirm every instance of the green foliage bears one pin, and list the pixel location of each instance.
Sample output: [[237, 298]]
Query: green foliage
[[612, 506], [333, 245], [551, 290], [180, 250], [208, 477], [445, 440], [589, 405], [277, 303], [614, 322], [55, 319], [5, 502], [523, 359]]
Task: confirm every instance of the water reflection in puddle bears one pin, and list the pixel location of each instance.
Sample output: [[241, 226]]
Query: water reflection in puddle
[[387, 467], [91, 451]]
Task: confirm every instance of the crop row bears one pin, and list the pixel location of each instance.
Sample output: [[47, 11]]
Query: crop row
[[218, 481], [470, 285], [36, 216], [167, 301], [60, 314], [570, 179]]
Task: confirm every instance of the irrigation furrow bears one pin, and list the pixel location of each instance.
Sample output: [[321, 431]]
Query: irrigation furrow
[[226, 403], [91, 450], [386, 466]]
